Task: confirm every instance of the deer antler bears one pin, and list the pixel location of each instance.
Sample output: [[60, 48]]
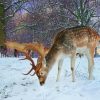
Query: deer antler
[[24, 47], [42, 51], [21, 48], [18, 46], [27, 56]]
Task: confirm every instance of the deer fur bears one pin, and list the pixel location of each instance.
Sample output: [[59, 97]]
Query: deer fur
[[69, 42]]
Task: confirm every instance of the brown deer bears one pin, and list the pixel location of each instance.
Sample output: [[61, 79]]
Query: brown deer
[[69, 42]]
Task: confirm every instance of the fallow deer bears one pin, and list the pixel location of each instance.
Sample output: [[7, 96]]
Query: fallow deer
[[69, 42]]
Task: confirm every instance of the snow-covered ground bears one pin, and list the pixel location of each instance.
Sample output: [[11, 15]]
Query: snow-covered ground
[[16, 86]]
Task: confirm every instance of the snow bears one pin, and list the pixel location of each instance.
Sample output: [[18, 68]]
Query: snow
[[16, 86]]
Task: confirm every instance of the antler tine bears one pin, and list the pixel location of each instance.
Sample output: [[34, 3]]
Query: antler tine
[[28, 57], [38, 66], [29, 72]]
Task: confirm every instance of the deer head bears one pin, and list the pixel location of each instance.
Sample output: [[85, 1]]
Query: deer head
[[40, 69]]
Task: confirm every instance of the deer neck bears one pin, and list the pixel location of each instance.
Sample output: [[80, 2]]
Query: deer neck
[[52, 56]]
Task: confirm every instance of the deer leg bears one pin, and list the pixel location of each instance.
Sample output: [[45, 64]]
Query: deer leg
[[73, 58], [59, 69], [90, 57]]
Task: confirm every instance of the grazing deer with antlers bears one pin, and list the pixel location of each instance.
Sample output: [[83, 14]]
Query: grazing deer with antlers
[[68, 42]]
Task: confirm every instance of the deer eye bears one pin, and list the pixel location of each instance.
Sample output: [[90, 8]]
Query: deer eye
[[41, 73]]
